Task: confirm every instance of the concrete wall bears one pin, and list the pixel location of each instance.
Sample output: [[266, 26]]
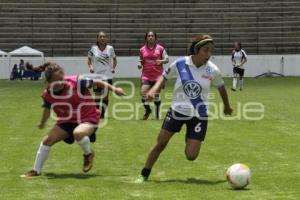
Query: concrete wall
[[127, 66]]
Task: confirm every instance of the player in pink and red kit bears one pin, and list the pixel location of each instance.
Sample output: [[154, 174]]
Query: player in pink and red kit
[[152, 58], [78, 118]]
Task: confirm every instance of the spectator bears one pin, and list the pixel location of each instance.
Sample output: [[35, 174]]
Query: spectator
[[15, 72], [30, 72], [21, 69]]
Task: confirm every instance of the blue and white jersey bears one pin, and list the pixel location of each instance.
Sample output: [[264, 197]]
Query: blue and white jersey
[[191, 91], [102, 61]]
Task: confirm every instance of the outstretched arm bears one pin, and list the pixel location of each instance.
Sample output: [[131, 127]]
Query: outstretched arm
[[227, 109], [104, 85]]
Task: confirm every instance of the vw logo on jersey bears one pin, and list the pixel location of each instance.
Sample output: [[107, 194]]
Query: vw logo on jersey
[[192, 89]]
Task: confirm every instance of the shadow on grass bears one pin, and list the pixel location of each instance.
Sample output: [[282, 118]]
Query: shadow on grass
[[191, 181], [70, 175], [239, 190]]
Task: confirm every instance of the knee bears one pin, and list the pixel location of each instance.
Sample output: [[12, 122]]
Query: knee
[[48, 141], [78, 135]]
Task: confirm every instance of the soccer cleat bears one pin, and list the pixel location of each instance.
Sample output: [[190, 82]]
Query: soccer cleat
[[241, 89], [30, 174], [141, 179], [233, 89], [147, 114], [88, 162]]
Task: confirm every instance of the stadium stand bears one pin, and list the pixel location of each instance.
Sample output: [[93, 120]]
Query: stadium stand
[[69, 28]]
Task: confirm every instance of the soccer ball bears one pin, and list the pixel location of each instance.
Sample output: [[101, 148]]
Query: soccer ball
[[238, 175]]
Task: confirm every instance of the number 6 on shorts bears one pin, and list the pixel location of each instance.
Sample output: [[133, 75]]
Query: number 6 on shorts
[[198, 128]]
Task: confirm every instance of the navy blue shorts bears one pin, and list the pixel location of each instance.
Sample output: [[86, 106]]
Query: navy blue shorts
[[195, 127], [69, 128], [239, 71], [99, 89]]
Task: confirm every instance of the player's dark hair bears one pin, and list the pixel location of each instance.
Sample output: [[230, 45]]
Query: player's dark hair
[[49, 69], [98, 36], [239, 44], [154, 33], [199, 41]]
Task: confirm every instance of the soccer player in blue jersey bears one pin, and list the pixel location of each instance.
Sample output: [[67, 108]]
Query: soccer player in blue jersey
[[194, 75]]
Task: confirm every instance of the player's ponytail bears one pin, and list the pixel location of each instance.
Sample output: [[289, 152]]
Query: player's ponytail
[[199, 41], [49, 69]]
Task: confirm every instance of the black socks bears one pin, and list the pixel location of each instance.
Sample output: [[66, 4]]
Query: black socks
[[145, 172]]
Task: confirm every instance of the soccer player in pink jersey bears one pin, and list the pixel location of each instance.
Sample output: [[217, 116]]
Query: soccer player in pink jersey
[[152, 58], [77, 116]]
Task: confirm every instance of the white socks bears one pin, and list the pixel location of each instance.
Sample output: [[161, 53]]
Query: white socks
[[241, 84], [43, 152], [234, 82], [85, 145], [41, 157]]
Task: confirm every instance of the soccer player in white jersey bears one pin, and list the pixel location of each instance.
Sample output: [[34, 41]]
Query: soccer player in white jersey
[[194, 76], [238, 58], [102, 61]]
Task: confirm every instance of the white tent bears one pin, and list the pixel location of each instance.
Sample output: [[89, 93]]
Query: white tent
[[25, 51]]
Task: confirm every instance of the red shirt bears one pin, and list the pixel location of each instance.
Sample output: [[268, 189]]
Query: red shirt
[[71, 105]]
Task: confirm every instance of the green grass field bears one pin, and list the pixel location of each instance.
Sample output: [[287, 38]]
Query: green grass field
[[270, 147]]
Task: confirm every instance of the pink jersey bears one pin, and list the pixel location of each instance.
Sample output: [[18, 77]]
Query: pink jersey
[[151, 71], [70, 106]]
